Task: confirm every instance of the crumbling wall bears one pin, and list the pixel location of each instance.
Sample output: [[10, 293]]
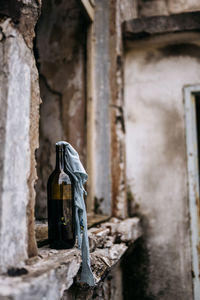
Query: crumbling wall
[[60, 54], [62, 81], [19, 131], [156, 159]]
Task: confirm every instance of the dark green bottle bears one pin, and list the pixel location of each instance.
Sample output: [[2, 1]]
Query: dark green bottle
[[60, 193]]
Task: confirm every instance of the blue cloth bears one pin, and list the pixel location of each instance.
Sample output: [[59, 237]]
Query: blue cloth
[[77, 171]]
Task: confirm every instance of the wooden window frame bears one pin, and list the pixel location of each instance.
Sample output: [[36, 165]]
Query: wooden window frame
[[88, 9], [193, 180]]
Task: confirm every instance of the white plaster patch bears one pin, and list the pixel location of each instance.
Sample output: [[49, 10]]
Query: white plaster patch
[[13, 230]]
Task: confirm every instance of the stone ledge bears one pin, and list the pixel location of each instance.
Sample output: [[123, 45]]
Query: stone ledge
[[41, 227], [145, 27], [53, 271]]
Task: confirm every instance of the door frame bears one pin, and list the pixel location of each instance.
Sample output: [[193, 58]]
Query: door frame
[[193, 180]]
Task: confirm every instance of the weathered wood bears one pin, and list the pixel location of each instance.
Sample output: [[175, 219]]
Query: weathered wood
[[96, 219], [90, 118], [92, 3], [144, 27], [89, 9], [118, 151]]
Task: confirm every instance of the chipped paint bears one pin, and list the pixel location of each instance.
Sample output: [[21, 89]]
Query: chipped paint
[[119, 202]]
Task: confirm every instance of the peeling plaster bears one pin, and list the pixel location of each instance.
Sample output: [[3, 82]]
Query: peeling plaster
[[156, 160]]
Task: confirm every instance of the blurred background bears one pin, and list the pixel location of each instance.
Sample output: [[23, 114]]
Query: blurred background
[[120, 81]]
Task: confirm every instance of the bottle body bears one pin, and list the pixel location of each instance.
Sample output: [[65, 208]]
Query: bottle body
[[61, 220]]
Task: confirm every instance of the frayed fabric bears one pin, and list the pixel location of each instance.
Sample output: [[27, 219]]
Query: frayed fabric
[[74, 166]]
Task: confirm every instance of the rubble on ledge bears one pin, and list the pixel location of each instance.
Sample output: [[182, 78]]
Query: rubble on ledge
[[53, 271]]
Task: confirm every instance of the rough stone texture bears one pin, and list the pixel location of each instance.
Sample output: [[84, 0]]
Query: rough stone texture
[[109, 288], [163, 24], [29, 15], [97, 237], [41, 228], [34, 144], [156, 159], [60, 53], [15, 99], [24, 15], [48, 277], [53, 271]]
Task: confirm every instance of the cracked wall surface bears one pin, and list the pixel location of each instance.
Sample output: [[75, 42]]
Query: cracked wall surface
[[61, 58], [60, 54], [14, 188], [19, 135]]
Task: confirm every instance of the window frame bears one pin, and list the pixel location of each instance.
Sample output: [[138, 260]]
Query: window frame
[[190, 93]]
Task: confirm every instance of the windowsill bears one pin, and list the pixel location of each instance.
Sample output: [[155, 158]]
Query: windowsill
[[94, 220], [41, 227], [53, 271]]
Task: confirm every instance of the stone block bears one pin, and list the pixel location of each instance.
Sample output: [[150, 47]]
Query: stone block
[[111, 226], [97, 237], [129, 230], [116, 251]]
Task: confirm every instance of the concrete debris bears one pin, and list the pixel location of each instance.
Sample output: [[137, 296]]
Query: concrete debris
[[58, 268]]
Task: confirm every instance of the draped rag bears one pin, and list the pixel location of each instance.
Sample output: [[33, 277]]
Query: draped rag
[[74, 166]]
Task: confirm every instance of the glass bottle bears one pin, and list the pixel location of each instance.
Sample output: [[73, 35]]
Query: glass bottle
[[60, 194]]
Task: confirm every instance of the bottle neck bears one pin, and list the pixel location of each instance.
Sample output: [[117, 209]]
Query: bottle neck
[[60, 160]]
